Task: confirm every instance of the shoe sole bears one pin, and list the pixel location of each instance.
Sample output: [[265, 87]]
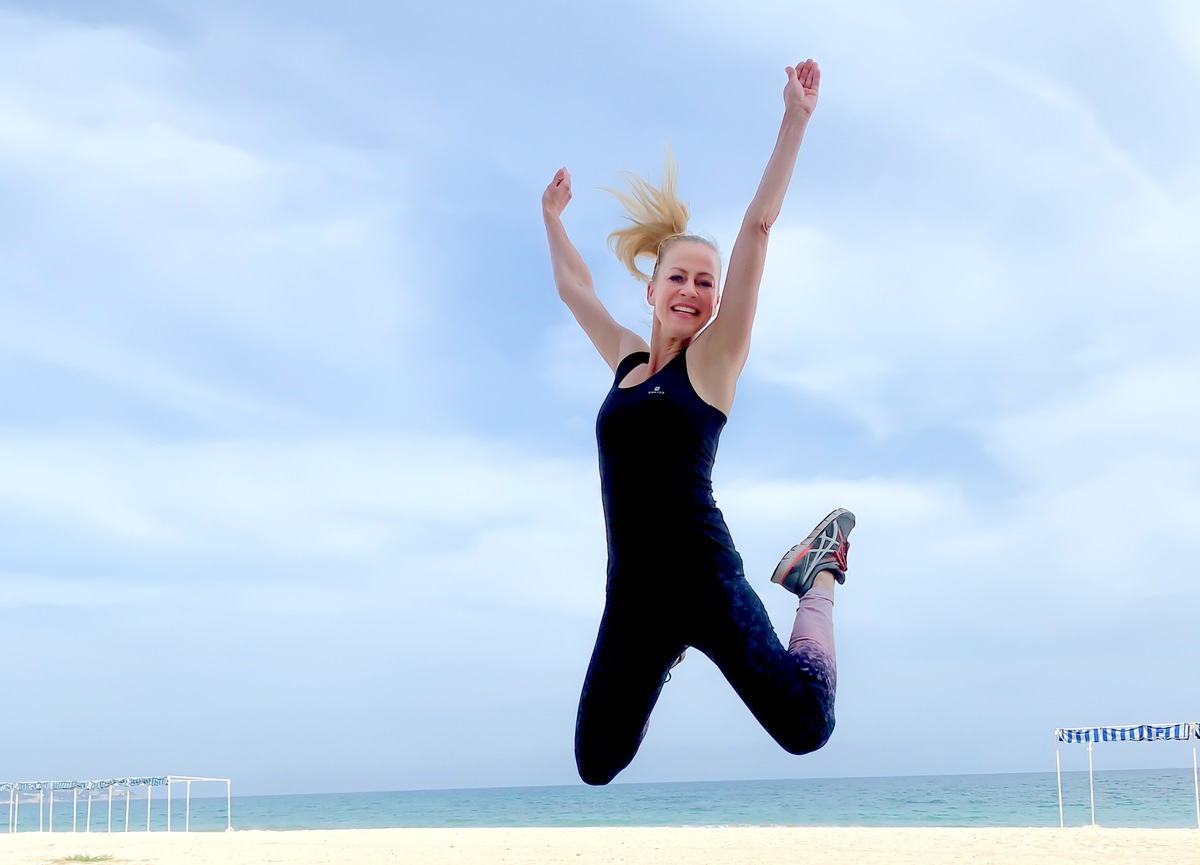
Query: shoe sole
[[794, 554]]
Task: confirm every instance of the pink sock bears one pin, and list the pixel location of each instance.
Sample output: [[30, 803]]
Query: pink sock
[[814, 625]]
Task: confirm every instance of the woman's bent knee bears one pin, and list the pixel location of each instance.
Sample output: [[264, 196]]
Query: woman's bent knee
[[807, 737], [595, 774]]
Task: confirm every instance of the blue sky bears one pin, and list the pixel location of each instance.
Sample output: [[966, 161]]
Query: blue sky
[[297, 468]]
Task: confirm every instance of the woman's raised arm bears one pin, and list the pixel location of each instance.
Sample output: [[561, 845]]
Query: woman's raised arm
[[574, 281], [726, 342]]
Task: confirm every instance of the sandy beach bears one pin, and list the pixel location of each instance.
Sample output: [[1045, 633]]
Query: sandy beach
[[661, 846]]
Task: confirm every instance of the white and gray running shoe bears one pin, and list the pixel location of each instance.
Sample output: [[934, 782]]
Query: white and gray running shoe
[[825, 549]]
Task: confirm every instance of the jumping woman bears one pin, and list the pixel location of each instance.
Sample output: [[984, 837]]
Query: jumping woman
[[674, 577]]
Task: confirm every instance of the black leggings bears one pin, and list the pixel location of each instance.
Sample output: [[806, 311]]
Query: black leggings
[[644, 629]]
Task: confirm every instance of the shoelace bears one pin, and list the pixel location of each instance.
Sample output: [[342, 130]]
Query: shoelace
[[842, 553]]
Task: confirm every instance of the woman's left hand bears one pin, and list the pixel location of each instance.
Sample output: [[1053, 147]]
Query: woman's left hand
[[800, 93]]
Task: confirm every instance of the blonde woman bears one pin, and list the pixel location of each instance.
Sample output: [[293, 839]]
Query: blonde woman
[[674, 577]]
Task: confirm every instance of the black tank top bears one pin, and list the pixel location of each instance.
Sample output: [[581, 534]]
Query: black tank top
[[657, 442]]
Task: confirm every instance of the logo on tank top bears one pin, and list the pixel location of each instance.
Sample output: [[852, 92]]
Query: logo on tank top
[[657, 390]]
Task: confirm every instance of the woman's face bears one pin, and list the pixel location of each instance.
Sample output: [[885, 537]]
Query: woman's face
[[684, 291]]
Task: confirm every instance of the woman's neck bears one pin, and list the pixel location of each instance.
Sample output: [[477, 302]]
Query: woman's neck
[[664, 349]]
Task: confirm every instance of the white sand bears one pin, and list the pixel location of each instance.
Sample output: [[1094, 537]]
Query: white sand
[[728, 846]]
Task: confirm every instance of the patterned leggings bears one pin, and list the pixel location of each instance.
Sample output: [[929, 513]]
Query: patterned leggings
[[643, 630]]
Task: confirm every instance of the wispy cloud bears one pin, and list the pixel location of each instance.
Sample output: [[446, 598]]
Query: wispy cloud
[[412, 508], [164, 216]]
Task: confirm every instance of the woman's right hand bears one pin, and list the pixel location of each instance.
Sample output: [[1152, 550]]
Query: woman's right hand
[[557, 194]]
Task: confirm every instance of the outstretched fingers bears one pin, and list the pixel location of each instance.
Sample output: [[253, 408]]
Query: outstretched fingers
[[808, 74]]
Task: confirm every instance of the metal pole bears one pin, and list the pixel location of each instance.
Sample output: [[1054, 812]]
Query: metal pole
[[110, 808], [41, 810], [89, 817], [74, 809], [168, 804], [1058, 766], [149, 794], [187, 811], [229, 809], [1091, 784], [1196, 781], [51, 807], [128, 802]]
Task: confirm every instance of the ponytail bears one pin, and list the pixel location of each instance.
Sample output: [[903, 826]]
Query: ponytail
[[658, 219]]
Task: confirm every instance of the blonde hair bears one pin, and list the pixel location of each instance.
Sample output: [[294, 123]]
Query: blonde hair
[[659, 220]]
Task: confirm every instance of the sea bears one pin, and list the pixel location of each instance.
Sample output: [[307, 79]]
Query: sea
[[1159, 798]]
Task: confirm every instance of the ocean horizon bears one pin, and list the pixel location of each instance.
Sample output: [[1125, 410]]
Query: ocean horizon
[[1133, 798]]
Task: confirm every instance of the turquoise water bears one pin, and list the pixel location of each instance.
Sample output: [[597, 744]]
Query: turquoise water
[[1142, 798]]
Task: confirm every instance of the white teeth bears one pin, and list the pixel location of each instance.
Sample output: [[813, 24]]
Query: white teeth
[[688, 309]]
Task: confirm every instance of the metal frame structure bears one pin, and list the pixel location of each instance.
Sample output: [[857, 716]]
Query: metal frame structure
[[1139, 733], [16, 788]]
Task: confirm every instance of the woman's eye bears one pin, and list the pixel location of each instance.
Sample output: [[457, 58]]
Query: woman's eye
[[676, 278]]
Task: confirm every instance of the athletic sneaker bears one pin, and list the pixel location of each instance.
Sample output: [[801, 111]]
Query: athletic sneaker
[[824, 549]]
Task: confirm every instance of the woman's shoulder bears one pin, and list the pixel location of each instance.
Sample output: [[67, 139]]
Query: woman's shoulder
[[711, 380], [631, 343], [631, 350], [631, 360]]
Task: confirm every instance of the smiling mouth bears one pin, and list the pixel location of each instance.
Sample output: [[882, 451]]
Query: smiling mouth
[[688, 310]]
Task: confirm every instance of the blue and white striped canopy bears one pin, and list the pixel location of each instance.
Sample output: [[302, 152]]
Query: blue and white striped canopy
[[38, 786], [1138, 733]]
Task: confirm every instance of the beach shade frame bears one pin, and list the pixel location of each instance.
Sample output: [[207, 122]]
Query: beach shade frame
[[187, 781], [125, 785], [55, 786], [1189, 730]]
